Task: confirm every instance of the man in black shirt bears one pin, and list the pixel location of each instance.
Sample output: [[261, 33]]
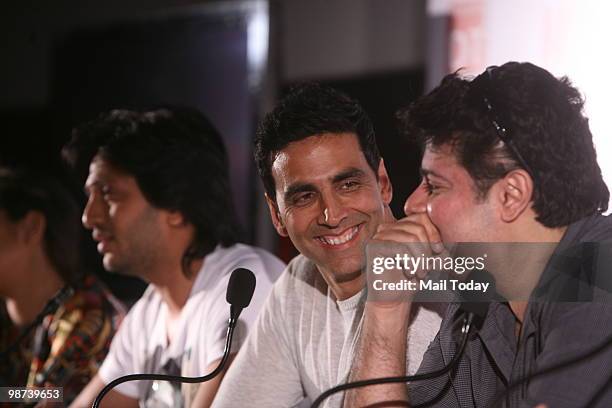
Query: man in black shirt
[[508, 157]]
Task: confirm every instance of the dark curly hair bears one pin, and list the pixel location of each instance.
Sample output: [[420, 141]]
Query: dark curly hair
[[178, 160], [544, 122], [309, 110]]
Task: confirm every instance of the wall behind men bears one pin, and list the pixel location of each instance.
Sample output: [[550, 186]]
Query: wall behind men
[[355, 44]]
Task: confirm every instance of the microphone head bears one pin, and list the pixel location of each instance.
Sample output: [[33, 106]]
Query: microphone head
[[240, 288]]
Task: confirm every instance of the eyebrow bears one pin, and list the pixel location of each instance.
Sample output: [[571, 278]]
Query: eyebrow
[[349, 173], [88, 186], [297, 188], [427, 173]]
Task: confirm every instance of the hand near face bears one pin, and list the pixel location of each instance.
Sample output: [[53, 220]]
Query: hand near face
[[414, 228], [393, 277]]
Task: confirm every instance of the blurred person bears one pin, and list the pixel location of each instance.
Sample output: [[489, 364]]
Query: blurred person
[[56, 321], [508, 157], [160, 207], [327, 190]]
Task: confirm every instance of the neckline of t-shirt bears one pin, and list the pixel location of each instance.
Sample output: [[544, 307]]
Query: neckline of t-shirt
[[349, 304], [160, 336]]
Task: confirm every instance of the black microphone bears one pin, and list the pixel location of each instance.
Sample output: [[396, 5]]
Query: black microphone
[[240, 290], [474, 307], [52, 305], [475, 304]]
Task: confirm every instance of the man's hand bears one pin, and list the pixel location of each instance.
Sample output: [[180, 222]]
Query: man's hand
[[382, 348], [411, 238], [411, 229], [113, 399]]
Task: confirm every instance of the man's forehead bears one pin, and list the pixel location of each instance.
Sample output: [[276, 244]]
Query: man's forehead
[[101, 169], [319, 157], [439, 159]]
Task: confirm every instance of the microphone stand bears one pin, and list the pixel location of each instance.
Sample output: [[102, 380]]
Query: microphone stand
[[175, 378], [239, 293]]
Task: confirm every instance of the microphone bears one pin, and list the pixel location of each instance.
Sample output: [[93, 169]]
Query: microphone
[[52, 305], [240, 290], [474, 307], [475, 304]]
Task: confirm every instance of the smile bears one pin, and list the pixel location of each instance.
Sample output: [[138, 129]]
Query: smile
[[335, 240]]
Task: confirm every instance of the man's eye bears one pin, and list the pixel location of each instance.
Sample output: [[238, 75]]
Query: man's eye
[[430, 188], [349, 185], [107, 192], [303, 199]]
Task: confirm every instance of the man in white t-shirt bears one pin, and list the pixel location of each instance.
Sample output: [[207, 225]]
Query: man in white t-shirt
[[159, 206], [328, 191]]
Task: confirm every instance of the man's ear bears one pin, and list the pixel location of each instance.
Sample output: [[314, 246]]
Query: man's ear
[[175, 218], [276, 218], [31, 228], [514, 192], [386, 189]]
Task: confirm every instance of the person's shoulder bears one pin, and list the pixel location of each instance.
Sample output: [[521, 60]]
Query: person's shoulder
[[86, 322], [302, 270], [219, 265], [594, 228], [92, 294], [300, 281], [143, 314], [260, 261]]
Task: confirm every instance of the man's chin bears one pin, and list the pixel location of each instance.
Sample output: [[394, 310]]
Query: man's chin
[[344, 269], [343, 277], [112, 265]]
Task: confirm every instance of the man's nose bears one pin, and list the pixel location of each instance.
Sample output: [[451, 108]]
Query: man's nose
[[94, 211], [417, 201], [333, 210]]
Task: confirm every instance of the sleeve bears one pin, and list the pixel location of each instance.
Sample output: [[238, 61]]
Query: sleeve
[[120, 358], [264, 373], [575, 329]]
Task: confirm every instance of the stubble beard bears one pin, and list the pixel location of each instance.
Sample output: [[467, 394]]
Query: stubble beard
[[143, 248]]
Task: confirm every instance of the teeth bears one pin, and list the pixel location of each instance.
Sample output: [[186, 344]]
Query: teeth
[[338, 240]]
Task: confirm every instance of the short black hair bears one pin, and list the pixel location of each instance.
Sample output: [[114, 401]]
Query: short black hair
[[24, 189], [308, 110], [544, 118], [179, 162]]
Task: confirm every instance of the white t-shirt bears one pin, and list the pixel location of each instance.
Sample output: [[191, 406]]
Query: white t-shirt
[[304, 343], [141, 344]]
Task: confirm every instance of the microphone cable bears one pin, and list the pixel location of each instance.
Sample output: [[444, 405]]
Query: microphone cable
[[474, 307], [465, 331], [173, 378], [240, 290]]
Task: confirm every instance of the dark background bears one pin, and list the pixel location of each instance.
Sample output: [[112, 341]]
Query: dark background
[[64, 63]]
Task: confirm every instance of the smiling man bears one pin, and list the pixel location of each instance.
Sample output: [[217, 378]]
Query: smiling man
[[327, 190], [508, 158], [160, 207]]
